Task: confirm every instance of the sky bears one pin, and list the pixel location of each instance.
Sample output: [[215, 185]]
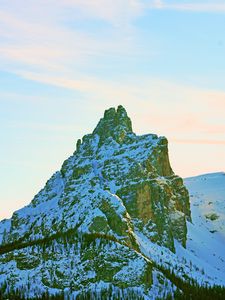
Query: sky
[[63, 62]]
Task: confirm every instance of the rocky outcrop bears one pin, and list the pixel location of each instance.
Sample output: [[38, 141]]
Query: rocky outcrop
[[115, 124], [114, 185]]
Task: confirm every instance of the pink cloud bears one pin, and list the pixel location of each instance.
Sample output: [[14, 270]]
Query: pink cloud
[[192, 141]]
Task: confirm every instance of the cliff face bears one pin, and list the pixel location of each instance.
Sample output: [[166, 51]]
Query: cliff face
[[80, 230]]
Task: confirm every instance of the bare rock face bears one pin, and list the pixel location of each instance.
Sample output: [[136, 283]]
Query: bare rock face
[[79, 231]]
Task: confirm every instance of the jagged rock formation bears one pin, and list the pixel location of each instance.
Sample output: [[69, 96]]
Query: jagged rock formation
[[79, 231]]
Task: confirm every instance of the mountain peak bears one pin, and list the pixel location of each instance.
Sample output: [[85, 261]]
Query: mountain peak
[[85, 230], [115, 123]]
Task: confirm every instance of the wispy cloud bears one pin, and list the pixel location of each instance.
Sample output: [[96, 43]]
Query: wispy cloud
[[117, 12], [187, 110], [216, 7], [58, 53], [46, 35], [201, 142]]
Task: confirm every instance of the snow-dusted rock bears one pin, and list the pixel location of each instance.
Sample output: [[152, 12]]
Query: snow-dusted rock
[[90, 224]]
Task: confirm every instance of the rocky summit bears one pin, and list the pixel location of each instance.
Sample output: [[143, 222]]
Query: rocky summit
[[87, 233]]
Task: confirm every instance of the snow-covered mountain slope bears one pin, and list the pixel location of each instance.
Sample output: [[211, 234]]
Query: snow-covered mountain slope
[[79, 230], [114, 218], [206, 233], [204, 256]]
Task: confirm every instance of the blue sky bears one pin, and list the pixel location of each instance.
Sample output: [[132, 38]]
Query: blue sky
[[63, 62]]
